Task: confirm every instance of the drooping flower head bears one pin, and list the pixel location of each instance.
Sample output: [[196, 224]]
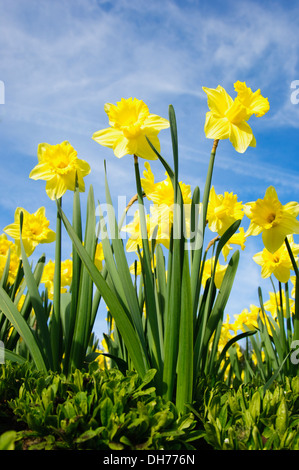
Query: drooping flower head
[[274, 220], [227, 118], [35, 230], [162, 192], [223, 211], [278, 263], [60, 167], [248, 318], [131, 122]]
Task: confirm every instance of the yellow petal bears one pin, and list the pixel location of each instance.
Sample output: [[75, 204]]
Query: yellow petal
[[41, 171], [218, 100], [240, 136], [282, 274], [55, 188], [107, 137], [216, 128], [273, 238], [144, 149], [155, 122], [257, 104], [124, 146]]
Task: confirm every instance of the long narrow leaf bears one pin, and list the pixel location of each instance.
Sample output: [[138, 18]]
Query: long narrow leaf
[[130, 337], [11, 312], [37, 303]]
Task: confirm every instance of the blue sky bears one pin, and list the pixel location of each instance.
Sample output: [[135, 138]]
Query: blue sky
[[62, 60]]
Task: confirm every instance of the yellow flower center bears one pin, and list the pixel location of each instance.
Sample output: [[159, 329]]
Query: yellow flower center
[[61, 158], [35, 227], [237, 113], [267, 213], [271, 217], [128, 116]]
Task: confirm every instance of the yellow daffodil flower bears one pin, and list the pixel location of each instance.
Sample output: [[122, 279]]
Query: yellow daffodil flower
[[247, 317], [208, 269], [35, 230], [293, 281], [274, 220], [136, 268], [99, 256], [131, 122], [162, 192], [227, 118], [238, 238], [134, 229], [223, 211], [59, 166], [278, 263], [162, 195], [65, 280], [159, 216], [274, 303], [5, 246]]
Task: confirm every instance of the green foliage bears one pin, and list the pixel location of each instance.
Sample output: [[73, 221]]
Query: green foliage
[[93, 409], [250, 417]]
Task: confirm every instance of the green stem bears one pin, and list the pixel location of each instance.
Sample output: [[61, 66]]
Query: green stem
[[56, 336], [296, 313], [195, 282]]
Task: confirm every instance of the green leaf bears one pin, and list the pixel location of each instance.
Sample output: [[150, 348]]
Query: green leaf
[[130, 337], [185, 353], [11, 312], [37, 304], [55, 324], [282, 417], [13, 357], [106, 411], [7, 440], [83, 326]]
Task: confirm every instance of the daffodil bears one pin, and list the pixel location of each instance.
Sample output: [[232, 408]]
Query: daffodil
[[159, 216], [277, 300], [293, 281], [162, 192], [35, 230], [274, 220], [65, 280], [227, 118], [60, 167], [7, 246], [130, 123], [247, 317], [162, 195], [238, 238], [278, 263], [99, 256], [208, 270], [134, 229], [223, 211]]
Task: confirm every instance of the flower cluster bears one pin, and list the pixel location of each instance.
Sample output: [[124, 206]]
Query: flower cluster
[[134, 131]]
